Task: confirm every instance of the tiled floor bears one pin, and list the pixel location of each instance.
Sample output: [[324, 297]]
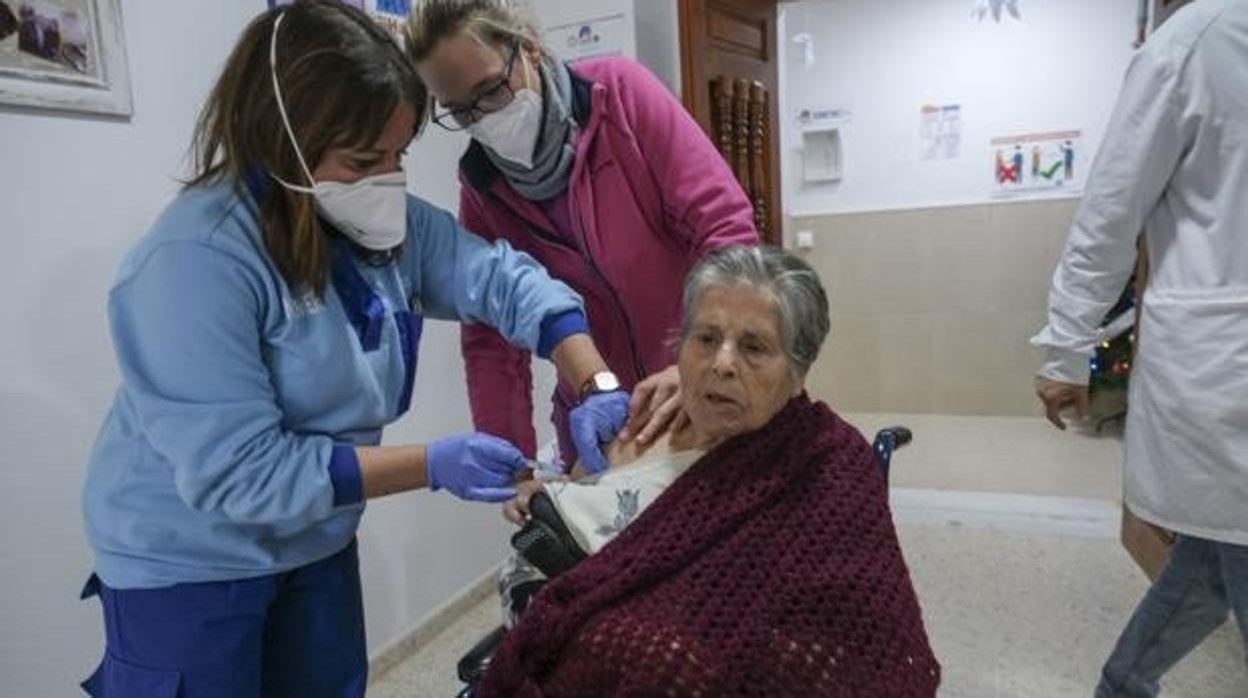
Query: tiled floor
[[1030, 615], [430, 672], [1015, 611]]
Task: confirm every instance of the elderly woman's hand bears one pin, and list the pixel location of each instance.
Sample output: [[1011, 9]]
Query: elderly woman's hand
[[516, 509], [655, 405]]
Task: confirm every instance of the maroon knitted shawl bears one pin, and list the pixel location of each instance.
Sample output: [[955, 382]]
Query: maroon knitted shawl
[[770, 568]]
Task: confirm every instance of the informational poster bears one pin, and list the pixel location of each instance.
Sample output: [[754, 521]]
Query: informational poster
[[1036, 163], [390, 14], [940, 132], [599, 36]]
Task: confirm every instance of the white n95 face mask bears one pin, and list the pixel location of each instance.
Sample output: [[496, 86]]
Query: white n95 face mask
[[511, 132], [372, 211]]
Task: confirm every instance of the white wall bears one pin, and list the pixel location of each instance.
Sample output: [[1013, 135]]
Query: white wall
[[75, 193], [1058, 68], [652, 37], [658, 40], [556, 13]]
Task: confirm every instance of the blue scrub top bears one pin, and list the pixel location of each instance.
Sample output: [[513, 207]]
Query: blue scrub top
[[228, 452]]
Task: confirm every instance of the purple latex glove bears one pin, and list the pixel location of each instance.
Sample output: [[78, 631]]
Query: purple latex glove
[[595, 422], [474, 467]]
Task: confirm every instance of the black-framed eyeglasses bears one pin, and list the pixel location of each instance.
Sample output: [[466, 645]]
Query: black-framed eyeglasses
[[493, 98]]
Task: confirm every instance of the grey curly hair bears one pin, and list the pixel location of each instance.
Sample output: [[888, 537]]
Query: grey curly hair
[[801, 302]]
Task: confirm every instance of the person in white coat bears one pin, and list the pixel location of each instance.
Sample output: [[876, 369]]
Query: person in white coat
[[1174, 164]]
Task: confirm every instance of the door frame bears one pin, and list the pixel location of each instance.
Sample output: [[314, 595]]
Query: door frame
[[696, 96]]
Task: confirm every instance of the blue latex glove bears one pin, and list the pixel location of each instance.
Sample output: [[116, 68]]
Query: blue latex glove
[[595, 422], [476, 467]]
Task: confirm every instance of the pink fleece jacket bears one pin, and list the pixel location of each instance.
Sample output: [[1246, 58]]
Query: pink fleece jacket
[[649, 195]]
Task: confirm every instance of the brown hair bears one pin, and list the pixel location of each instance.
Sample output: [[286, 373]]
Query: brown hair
[[341, 79]]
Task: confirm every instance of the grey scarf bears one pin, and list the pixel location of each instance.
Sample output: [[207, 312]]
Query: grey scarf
[[552, 159]]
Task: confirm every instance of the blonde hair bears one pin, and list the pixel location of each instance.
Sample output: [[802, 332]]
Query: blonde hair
[[496, 24]]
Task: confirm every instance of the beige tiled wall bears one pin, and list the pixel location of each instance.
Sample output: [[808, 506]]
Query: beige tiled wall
[[932, 309]]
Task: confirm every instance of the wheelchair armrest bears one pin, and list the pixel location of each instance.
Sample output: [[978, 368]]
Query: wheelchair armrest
[[886, 442], [475, 661], [472, 665], [901, 436], [545, 540]]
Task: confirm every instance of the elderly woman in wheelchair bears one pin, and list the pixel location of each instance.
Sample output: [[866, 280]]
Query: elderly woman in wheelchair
[[748, 551]]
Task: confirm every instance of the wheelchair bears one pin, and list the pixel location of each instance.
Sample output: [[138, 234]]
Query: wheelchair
[[548, 545]]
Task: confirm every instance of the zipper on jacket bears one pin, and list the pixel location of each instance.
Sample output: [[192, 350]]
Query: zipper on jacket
[[593, 265], [628, 323], [619, 304]]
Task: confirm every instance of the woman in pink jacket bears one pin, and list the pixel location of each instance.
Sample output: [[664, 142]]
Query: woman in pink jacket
[[596, 170]]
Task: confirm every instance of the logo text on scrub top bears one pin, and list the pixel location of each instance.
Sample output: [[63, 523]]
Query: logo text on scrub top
[[303, 306]]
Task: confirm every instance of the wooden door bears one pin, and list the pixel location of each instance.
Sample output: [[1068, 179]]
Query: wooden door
[[730, 77]]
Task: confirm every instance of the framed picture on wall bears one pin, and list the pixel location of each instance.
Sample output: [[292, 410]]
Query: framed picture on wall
[[66, 55]]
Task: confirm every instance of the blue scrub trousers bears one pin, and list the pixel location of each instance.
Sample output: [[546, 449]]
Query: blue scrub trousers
[[299, 633]]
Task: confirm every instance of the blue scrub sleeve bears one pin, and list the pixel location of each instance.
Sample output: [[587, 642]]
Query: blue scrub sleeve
[[345, 475], [462, 277], [557, 328]]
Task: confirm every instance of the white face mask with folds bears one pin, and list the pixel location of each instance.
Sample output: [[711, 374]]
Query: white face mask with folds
[[511, 132], [372, 211]]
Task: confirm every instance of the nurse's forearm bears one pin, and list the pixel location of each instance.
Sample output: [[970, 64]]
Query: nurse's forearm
[[391, 469], [577, 360]]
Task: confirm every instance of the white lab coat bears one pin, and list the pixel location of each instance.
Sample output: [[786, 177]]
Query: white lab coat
[[1175, 164]]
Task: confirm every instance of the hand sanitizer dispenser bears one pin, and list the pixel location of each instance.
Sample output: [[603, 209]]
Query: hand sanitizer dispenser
[[821, 154]]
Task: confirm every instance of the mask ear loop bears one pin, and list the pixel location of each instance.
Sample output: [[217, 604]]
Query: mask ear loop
[[281, 108], [532, 71]]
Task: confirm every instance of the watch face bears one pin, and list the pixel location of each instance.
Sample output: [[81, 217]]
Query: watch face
[[606, 382]]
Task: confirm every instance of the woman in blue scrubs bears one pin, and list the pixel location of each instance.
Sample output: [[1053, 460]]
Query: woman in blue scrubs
[[267, 328]]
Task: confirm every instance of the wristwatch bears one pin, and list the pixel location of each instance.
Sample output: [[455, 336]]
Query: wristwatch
[[601, 382]]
